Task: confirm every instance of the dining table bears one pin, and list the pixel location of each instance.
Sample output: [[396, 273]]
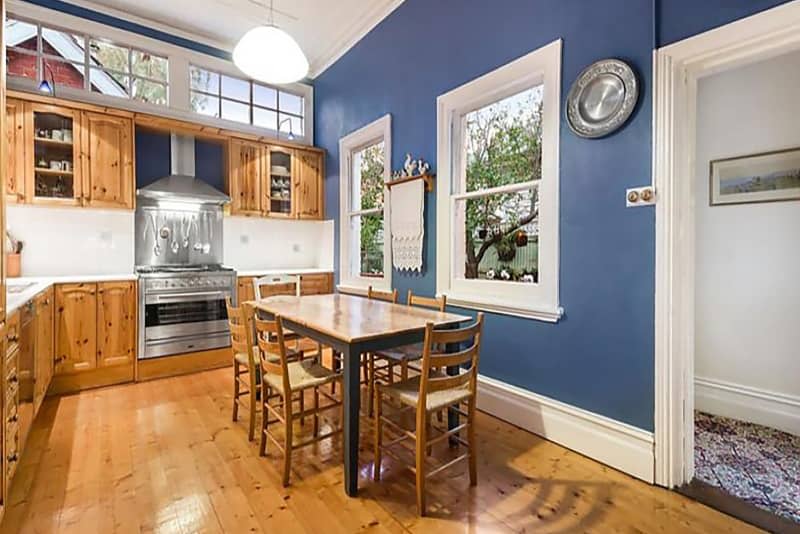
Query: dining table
[[353, 325]]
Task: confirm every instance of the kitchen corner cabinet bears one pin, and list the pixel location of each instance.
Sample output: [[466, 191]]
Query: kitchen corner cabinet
[[107, 159], [95, 326], [62, 156], [44, 345], [245, 178]]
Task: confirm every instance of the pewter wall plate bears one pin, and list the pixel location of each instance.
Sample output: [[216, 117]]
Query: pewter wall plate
[[602, 98]]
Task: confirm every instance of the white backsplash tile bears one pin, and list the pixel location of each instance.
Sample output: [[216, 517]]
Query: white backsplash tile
[[73, 241]]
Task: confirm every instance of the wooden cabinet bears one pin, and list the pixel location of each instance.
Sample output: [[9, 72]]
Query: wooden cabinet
[[63, 156], [245, 178], [95, 326], [275, 181], [310, 284], [11, 426], [107, 159], [52, 155], [76, 328], [116, 323], [308, 178], [45, 308], [15, 150]]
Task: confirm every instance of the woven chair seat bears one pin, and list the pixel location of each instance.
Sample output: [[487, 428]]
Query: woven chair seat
[[302, 375], [407, 392]]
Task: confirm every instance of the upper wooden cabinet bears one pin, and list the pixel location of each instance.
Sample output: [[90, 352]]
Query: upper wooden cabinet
[[62, 156], [76, 328], [15, 150], [245, 171], [116, 323], [107, 157], [274, 181], [308, 184]]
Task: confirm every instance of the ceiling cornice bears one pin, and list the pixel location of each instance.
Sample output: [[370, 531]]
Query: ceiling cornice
[[352, 35]]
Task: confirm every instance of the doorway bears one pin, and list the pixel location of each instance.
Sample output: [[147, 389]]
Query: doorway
[[681, 69]]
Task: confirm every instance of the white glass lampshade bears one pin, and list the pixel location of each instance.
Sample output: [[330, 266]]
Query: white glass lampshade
[[269, 54]]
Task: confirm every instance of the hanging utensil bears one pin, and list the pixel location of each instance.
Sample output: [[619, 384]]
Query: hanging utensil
[[156, 244], [185, 228]]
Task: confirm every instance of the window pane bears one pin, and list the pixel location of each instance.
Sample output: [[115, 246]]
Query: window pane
[[367, 172], [20, 34], [147, 91], [503, 141], [265, 118], [65, 74], [148, 65], [367, 232], [109, 83], [291, 103], [265, 96], [204, 80], [234, 111], [109, 56], [205, 104], [501, 237], [290, 125], [63, 44], [236, 89], [21, 64]]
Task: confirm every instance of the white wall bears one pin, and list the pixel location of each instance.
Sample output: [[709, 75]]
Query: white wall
[[70, 241], [747, 361]]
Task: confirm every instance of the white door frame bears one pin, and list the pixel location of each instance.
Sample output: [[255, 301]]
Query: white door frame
[[677, 68]]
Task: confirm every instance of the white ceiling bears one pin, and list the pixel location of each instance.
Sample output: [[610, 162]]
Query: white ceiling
[[325, 29]]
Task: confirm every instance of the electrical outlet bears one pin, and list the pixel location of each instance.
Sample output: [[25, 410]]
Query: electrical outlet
[[106, 236], [244, 239], [640, 196], [295, 247]]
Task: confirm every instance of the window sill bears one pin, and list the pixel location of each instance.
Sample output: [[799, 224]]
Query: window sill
[[538, 313], [351, 287]]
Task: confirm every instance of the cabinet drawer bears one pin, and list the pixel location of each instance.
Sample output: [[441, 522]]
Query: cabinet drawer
[[12, 449], [12, 332]]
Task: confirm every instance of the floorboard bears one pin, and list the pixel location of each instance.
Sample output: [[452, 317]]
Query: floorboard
[[164, 456]]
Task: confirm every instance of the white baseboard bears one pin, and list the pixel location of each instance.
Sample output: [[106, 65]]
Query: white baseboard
[[767, 408], [616, 444]]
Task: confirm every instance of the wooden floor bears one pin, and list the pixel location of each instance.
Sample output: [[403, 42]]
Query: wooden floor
[[164, 456]]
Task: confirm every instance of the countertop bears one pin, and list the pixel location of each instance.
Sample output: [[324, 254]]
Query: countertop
[[267, 272], [37, 284]]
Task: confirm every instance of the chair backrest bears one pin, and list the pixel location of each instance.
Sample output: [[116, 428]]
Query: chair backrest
[[241, 332], [387, 296], [272, 348], [276, 284], [437, 303], [434, 357]]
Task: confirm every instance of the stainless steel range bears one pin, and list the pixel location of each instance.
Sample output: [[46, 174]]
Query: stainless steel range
[[182, 283]]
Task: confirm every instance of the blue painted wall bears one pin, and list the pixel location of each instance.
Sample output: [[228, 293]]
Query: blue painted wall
[[153, 159], [679, 19], [601, 355]]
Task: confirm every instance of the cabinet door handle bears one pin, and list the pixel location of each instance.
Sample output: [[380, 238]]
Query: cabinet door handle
[[13, 419], [13, 457]]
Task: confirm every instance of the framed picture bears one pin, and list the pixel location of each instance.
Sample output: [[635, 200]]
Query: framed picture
[[765, 177]]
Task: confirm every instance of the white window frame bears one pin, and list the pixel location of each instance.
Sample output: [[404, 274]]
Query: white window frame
[[534, 301], [375, 132], [179, 58]]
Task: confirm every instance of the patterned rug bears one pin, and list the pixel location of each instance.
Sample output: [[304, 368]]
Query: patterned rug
[[754, 463]]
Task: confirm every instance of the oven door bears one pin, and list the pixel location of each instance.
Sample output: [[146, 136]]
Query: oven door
[[179, 322]]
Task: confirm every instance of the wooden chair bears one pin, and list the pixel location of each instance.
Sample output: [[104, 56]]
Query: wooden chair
[[429, 392], [400, 356], [287, 381], [275, 285], [245, 366]]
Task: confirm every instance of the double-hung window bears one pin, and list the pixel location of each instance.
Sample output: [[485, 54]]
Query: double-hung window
[[364, 252], [497, 210]]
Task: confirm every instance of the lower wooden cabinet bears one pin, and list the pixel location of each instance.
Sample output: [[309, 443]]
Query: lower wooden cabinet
[[44, 346], [95, 326], [310, 284], [116, 323]]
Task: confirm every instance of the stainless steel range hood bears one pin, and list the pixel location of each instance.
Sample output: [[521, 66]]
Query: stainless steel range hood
[[181, 184]]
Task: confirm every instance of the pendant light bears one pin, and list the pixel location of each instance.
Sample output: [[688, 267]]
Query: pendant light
[[269, 54]]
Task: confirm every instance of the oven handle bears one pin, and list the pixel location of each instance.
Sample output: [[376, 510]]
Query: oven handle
[[189, 297]]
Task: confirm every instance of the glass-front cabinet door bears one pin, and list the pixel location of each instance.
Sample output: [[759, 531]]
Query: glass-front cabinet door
[[279, 181], [54, 163]]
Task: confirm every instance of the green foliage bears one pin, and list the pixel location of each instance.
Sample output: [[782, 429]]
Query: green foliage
[[372, 163], [504, 147]]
